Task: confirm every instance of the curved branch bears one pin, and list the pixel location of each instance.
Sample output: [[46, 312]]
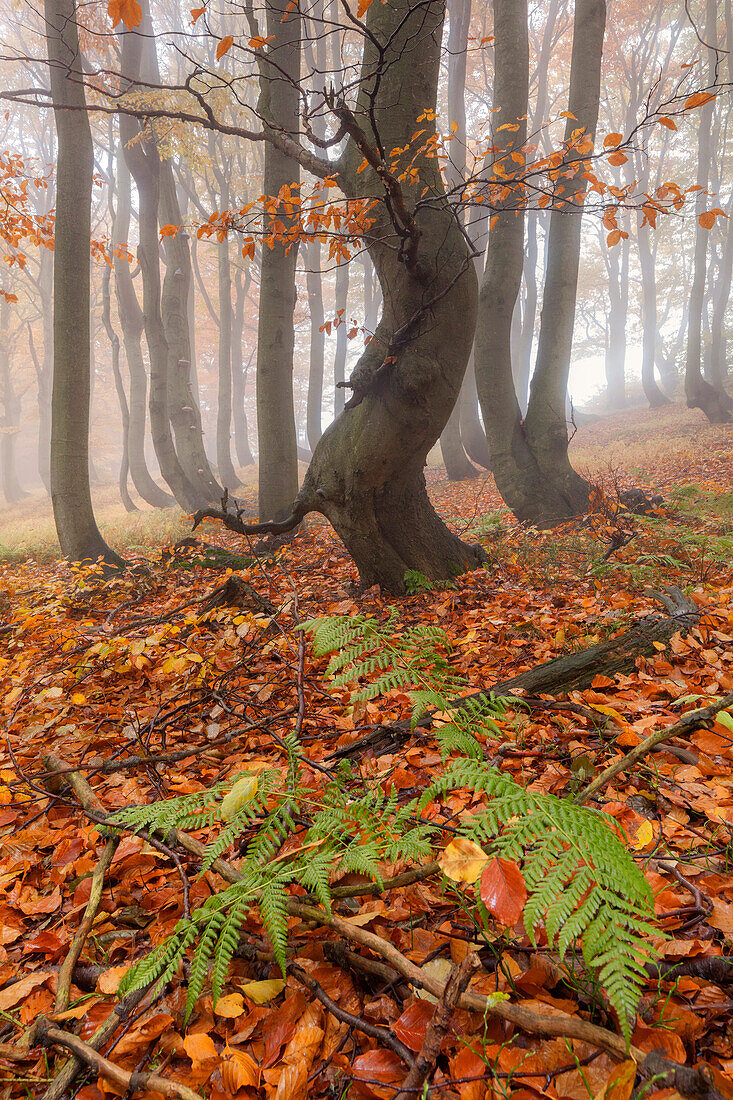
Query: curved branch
[[233, 522]]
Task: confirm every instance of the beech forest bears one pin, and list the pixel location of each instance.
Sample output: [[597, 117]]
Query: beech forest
[[366, 550]]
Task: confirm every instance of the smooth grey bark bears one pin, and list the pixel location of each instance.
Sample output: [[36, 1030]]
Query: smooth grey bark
[[617, 266], [227, 473], [545, 423], [366, 475], [530, 457], [76, 526], [239, 371], [114, 343], [652, 392], [502, 276], [133, 324], [458, 465], [144, 164], [279, 108], [314, 289], [534, 218], [341, 297], [700, 394], [719, 342]]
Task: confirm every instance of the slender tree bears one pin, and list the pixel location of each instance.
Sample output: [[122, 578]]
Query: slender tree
[[700, 394], [70, 494], [279, 108], [530, 455]]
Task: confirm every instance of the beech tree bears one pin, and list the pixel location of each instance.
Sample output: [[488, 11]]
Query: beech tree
[[529, 455], [77, 529]]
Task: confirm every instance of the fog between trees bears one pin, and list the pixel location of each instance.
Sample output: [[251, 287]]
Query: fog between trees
[[348, 237]]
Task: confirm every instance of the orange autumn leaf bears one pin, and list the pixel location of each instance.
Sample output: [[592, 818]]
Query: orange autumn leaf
[[617, 159], [223, 46], [503, 890], [128, 12]]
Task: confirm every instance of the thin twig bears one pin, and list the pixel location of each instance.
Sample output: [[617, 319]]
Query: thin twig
[[63, 991], [131, 1082], [692, 720]]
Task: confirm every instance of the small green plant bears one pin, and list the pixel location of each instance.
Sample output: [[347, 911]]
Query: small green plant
[[416, 583], [583, 886]]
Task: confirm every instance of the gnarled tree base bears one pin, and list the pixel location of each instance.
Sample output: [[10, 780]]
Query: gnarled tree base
[[715, 403]]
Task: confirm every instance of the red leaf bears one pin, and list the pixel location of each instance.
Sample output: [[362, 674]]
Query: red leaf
[[503, 891], [411, 1026], [376, 1068]]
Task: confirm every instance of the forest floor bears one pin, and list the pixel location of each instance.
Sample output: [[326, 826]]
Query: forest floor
[[134, 686]]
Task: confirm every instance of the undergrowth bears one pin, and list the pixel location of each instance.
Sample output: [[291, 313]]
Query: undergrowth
[[583, 886]]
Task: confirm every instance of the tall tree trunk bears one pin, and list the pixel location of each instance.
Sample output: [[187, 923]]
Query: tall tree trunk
[[618, 285], [366, 475], [114, 343], [239, 372], [76, 526], [505, 260], [10, 418], [530, 457], [458, 465], [534, 218], [175, 302], [279, 108], [719, 345], [342, 343], [143, 162], [314, 288], [699, 393], [227, 473], [545, 423], [44, 368], [652, 392], [132, 323]]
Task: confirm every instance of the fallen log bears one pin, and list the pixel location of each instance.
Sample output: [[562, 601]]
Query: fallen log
[[561, 675]]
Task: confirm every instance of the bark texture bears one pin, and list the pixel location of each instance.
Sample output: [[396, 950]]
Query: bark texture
[[530, 457], [76, 526], [700, 394], [279, 108], [366, 475]]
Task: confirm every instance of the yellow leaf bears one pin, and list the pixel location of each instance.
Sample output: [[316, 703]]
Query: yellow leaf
[[644, 835], [462, 860], [77, 698], [224, 46], [230, 1006], [611, 713], [620, 1083], [263, 992], [243, 791]]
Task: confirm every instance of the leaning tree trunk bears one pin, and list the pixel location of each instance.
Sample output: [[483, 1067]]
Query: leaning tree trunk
[[531, 464], [76, 526], [699, 393], [279, 108], [132, 324], [458, 465]]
